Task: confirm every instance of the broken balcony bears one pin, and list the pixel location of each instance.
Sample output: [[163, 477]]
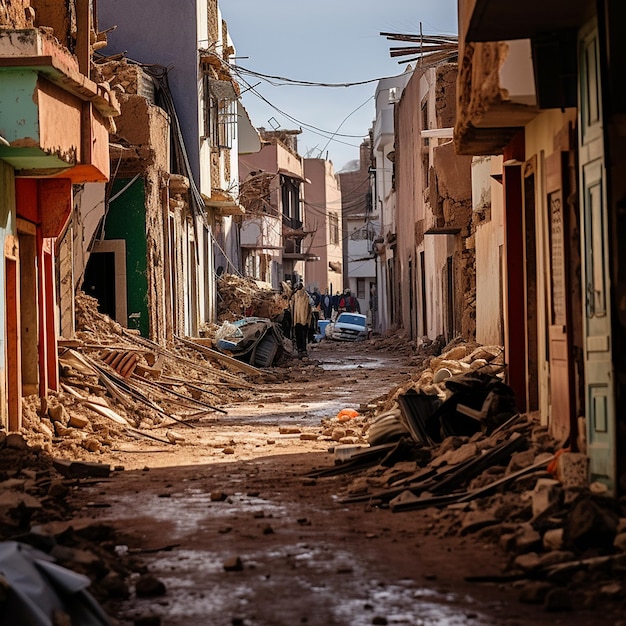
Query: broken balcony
[[53, 118]]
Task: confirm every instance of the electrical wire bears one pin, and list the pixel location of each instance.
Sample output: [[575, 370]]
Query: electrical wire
[[301, 83], [313, 129]]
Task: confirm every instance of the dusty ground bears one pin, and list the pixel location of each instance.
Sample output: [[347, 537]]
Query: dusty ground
[[229, 522]]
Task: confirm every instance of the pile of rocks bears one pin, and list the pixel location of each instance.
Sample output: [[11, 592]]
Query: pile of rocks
[[457, 359], [35, 508], [240, 297]]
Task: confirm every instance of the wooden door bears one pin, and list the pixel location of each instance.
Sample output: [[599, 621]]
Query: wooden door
[[599, 387], [559, 331]]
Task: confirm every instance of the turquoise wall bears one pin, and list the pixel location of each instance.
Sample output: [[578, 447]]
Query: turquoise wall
[[7, 226], [126, 219]]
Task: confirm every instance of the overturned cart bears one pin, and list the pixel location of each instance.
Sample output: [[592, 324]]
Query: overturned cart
[[255, 340]]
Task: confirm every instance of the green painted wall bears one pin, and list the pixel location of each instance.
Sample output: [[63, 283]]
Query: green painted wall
[[19, 114], [19, 122], [126, 219]]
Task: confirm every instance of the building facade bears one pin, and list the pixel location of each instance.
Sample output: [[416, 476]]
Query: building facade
[[274, 231], [54, 125], [192, 58], [323, 204], [540, 88]]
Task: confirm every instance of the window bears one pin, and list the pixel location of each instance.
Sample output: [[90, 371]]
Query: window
[[333, 226], [220, 112], [360, 288]]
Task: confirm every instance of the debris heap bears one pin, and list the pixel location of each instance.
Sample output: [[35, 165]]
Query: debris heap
[[36, 512], [245, 297], [115, 384], [451, 445]]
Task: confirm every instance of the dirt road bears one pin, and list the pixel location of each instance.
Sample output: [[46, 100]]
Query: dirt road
[[237, 533]]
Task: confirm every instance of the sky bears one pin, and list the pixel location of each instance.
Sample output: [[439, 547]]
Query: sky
[[324, 41]]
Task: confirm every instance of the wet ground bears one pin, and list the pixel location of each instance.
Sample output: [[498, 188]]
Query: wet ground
[[245, 538]]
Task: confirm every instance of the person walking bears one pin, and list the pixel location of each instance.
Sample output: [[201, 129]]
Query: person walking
[[349, 303], [301, 315], [327, 305]]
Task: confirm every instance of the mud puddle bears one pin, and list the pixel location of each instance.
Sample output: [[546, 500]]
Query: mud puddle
[[301, 578]]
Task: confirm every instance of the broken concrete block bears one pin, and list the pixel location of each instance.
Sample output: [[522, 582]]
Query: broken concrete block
[[289, 430], [234, 564], [81, 469], [554, 557], [527, 538], [520, 460], [92, 445], [338, 434], [527, 562], [475, 520], [454, 457], [77, 421], [553, 539], [58, 413], [61, 430], [546, 495], [10, 500], [148, 587], [611, 590], [451, 443], [455, 353], [174, 437], [591, 523], [572, 469], [348, 441]]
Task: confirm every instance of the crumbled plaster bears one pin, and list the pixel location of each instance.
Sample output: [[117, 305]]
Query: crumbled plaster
[[16, 14]]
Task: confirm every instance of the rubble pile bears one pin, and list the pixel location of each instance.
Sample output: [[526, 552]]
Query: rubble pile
[[255, 192], [511, 488], [451, 445], [454, 360], [123, 76], [245, 297], [35, 510], [116, 385]]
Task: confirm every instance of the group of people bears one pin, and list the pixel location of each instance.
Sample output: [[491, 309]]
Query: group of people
[[301, 317]]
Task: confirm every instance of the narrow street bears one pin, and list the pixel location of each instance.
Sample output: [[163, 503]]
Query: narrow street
[[237, 533]]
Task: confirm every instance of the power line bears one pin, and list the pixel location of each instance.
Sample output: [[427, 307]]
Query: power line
[[302, 83]]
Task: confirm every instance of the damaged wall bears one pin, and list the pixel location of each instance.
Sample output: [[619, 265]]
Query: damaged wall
[[60, 16], [16, 14], [141, 149], [487, 207], [435, 243]]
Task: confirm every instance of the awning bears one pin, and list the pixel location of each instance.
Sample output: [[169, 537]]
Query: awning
[[285, 172], [224, 204], [495, 20]]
